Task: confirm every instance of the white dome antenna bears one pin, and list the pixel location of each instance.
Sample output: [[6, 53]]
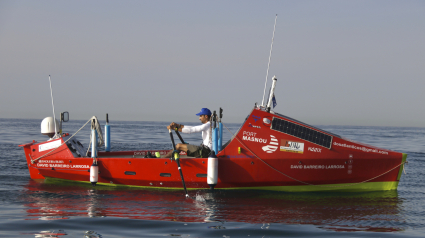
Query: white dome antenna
[[48, 128]]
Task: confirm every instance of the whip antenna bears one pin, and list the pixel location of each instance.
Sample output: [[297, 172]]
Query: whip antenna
[[268, 65], [53, 105]]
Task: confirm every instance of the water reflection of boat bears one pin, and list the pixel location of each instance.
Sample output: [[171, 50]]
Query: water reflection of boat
[[372, 211]]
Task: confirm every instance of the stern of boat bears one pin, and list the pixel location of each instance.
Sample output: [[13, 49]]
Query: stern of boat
[[34, 173]]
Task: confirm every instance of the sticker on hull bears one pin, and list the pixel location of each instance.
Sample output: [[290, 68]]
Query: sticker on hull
[[49, 146], [272, 146], [292, 146]]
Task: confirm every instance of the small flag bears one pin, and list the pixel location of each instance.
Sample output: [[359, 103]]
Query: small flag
[[274, 101]]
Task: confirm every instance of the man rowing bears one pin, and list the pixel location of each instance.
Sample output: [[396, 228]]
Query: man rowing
[[201, 151]]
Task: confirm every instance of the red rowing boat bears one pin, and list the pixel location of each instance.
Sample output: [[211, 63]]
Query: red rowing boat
[[270, 151]]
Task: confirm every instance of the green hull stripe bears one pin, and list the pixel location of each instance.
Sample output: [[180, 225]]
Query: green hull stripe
[[346, 187], [401, 167]]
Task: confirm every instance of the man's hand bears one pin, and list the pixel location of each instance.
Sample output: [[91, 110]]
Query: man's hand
[[172, 126]]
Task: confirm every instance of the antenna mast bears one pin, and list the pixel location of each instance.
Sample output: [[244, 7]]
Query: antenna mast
[[268, 65], [53, 105]]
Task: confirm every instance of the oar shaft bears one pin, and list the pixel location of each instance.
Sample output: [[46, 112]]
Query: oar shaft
[[178, 162], [180, 137], [181, 175], [172, 139]]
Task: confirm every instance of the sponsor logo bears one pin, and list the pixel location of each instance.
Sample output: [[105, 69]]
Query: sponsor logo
[[256, 118], [251, 136], [292, 146], [272, 146], [314, 149], [250, 125]]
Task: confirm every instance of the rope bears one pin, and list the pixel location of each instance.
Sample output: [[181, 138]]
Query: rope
[[88, 149], [326, 186], [99, 134], [32, 161]]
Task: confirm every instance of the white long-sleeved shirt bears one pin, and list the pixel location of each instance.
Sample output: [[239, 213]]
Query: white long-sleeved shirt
[[204, 128]]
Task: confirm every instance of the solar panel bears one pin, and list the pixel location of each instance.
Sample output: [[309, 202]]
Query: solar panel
[[302, 132]]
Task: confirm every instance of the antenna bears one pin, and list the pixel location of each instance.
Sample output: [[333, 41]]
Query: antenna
[[268, 65], [53, 105]]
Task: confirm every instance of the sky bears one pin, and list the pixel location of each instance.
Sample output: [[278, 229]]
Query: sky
[[359, 63]]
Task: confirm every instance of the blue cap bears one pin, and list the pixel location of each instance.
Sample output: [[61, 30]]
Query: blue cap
[[204, 111]]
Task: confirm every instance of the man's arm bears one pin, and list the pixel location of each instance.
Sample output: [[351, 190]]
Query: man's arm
[[193, 129]]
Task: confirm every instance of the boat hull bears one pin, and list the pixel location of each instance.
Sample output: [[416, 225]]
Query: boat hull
[[261, 155]]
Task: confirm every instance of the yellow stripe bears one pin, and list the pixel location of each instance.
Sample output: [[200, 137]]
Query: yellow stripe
[[401, 166], [345, 187]]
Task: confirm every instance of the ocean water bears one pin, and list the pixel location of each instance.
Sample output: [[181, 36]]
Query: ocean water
[[32, 209]]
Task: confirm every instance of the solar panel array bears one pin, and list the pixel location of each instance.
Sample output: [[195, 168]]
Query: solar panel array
[[302, 132]]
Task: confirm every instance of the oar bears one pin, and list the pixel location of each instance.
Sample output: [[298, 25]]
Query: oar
[[180, 137], [176, 158]]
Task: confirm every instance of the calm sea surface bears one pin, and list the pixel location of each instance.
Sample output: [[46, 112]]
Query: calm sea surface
[[32, 209]]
